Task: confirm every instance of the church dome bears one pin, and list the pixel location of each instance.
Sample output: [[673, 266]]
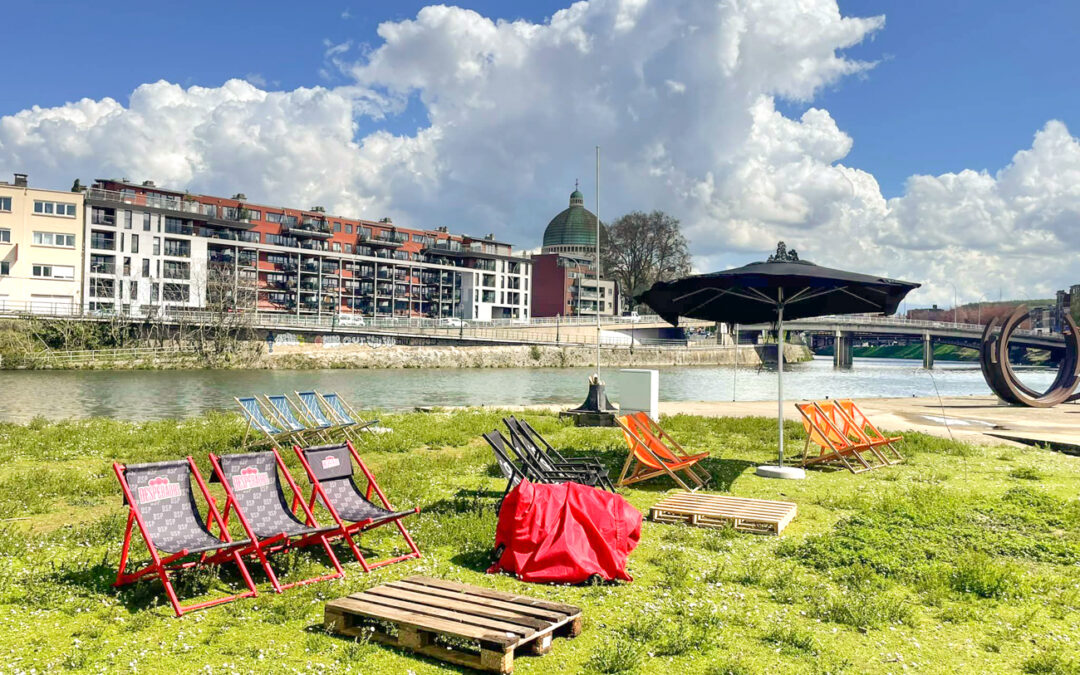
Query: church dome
[[574, 226]]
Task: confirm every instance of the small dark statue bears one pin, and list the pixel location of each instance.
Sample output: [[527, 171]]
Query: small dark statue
[[784, 255]]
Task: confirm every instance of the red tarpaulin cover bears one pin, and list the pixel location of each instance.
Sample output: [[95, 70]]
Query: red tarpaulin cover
[[565, 533]]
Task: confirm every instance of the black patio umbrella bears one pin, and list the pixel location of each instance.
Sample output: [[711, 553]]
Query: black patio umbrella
[[783, 287]]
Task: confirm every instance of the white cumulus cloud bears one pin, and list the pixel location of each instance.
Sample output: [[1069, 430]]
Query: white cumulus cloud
[[681, 97]]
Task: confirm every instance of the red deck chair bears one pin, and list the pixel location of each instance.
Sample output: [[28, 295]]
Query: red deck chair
[[865, 427], [836, 441], [330, 470], [647, 459], [162, 504], [254, 492]]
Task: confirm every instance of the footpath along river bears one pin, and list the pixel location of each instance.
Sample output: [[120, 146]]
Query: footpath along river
[[156, 394]]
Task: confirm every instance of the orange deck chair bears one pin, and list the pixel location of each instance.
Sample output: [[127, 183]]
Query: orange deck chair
[[867, 429], [650, 457], [823, 428]]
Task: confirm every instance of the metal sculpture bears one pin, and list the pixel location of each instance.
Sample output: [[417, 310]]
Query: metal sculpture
[[994, 360]]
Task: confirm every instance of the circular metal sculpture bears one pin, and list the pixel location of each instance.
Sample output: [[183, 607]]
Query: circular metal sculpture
[[994, 359]]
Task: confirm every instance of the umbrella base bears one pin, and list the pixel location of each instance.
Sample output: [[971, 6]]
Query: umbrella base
[[773, 471]]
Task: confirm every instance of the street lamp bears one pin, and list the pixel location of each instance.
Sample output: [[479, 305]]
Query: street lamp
[[953, 300]]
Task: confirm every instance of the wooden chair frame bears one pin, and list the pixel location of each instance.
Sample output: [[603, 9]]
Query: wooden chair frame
[[838, 446], [347, 530], [162, 566], [642, 462]]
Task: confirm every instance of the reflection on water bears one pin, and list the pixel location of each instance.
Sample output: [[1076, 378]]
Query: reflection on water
[[144, 395]]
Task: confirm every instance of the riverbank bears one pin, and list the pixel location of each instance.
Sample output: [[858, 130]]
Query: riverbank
[[307, 357], [319, 356], [962, 559]]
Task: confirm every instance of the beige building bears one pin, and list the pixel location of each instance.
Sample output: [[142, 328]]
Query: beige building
[[41, 243]]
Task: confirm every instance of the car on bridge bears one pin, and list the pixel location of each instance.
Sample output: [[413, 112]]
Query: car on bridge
[[349, 320], [452, 322]]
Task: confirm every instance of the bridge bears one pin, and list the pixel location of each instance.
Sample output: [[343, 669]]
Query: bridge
[[618, 331], [844, 330]]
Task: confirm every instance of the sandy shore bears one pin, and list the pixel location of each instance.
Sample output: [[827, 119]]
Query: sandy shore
[[975, 419]]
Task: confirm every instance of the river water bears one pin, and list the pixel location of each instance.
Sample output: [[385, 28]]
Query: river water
[[155, 394]]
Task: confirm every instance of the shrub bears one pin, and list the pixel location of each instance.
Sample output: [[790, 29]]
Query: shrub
[[617, 655], [981, 575]]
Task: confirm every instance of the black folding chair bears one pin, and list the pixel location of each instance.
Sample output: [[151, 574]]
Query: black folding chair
[[525, 444], [162, 505], [511, 471], [541, 471], [254, 492], [330, 470]]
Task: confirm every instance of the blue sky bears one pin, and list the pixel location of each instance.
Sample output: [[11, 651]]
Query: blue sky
[[683, 96], [959, 84]]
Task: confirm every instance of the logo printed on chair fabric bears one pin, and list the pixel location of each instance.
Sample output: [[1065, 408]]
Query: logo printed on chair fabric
[[157, 489], [250, 477], [330, 461]]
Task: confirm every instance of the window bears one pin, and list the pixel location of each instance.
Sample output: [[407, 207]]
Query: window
[[127, 220], [146, 267], [127, 266], [178, 248], [348, 248], [133, 290], [155, 290], [146, 222], [348, 229], [175, 293], [336, 247], [53, 271], [102, 288], [5, 203], [54, 209], [253, 214], [273, 217], [5, 236], [54, 239], [337, 227], [177, 270], [134, 243], [5, 268]]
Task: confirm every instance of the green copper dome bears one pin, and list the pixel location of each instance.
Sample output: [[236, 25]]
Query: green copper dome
[[575, 226]]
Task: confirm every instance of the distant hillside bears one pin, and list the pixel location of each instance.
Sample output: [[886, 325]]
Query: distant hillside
[[914, 351]]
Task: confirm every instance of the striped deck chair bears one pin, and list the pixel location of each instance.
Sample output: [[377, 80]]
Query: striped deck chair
[[826, 429], [345, 414], [253, 491], [282, 409], [876, 439], [162, 505], [330, 470], [312, 407], [257, 418], [647, 460], [667, 447]]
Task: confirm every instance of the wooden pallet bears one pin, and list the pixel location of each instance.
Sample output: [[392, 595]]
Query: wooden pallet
[[748, 515], [422, 609]]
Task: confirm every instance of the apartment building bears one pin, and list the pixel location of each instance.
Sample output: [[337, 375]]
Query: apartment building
[[150, 247], [41, 242]]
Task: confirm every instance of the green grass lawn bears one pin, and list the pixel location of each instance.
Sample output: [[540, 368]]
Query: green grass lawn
[[963, 559]]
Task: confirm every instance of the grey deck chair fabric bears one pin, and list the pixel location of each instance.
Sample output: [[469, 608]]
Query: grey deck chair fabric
[[254, 480], [255, 415], [332, 466], [166, 502]]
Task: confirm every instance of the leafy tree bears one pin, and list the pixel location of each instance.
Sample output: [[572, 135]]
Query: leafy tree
[[641, 248]]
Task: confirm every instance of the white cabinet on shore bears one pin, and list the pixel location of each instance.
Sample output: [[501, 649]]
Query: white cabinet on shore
[[639, 391]]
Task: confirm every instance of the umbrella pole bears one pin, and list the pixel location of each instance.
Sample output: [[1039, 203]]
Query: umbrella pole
[[780, 378], [780, 471]]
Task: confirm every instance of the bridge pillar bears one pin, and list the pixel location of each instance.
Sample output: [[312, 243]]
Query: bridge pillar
[[842, 350], [927, 351]]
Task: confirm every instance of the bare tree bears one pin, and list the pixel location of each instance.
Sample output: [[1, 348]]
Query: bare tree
[[641, 248]]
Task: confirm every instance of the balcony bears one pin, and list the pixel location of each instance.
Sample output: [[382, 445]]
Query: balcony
[[309, 228], [164, 202], [445, 245], [103, 268], [103, 243], [383, 239]]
